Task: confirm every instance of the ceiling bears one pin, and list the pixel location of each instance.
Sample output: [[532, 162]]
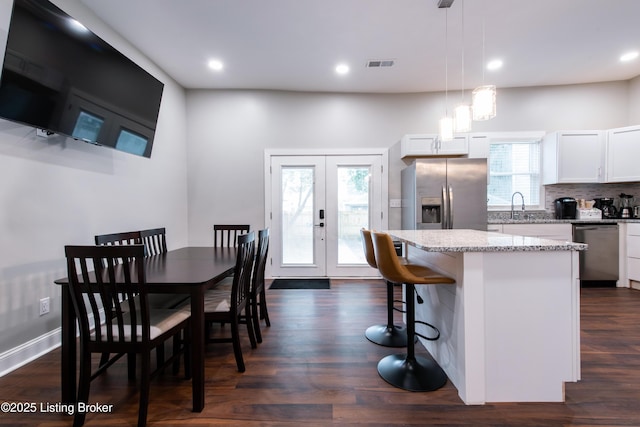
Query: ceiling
[[296, 44]]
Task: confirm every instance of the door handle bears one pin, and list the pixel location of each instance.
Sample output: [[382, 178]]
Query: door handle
[[320, 225]]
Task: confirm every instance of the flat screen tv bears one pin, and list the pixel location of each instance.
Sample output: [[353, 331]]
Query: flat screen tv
[[60, 77]]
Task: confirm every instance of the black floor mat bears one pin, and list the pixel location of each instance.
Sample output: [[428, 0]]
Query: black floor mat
[[300, 284]]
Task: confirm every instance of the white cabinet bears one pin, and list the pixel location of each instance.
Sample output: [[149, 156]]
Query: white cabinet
[[563, 231], [421, 145], [633, 252], [479, 146], [573, 157], [623, 154]]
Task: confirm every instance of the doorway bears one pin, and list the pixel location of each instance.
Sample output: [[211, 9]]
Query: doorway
[[316, 206]]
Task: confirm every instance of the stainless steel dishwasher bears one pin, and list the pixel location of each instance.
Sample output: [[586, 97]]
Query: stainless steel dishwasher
[[599, 263]]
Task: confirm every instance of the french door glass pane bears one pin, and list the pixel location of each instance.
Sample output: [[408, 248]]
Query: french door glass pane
[[353, 212], [297, 215]]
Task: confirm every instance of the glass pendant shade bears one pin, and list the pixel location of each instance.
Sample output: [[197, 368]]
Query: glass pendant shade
[[462, 118], [446, 129], [484, 102]]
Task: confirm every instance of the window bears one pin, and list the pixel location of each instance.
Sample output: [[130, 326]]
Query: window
[[514, 165]]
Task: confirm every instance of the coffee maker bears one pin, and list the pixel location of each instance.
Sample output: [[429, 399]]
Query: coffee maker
[[605, 204], [626, 206], [565, 207]]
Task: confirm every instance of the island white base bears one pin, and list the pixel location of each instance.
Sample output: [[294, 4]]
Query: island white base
[[510, 326]]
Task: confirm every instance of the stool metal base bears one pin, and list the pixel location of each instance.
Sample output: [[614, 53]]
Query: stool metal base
[[413, 374], [387, 336]]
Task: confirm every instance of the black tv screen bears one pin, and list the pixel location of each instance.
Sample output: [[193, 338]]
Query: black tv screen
[[60, 77]]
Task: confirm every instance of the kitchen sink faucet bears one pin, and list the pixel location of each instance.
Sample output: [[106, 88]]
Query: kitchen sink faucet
[[514, 215]]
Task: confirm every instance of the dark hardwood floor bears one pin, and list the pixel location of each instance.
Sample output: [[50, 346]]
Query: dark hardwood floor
[[316, 368]]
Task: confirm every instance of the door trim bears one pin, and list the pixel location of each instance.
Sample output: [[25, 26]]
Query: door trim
[[269, 153]]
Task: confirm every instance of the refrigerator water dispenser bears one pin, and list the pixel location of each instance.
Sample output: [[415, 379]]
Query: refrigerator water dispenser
[[431, 210]]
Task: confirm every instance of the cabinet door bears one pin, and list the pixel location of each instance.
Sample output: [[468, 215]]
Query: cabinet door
[[459, 145], [573, 157], [623, 154], [418, 145]]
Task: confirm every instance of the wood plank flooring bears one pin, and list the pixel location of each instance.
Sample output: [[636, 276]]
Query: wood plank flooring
[[316, 368]]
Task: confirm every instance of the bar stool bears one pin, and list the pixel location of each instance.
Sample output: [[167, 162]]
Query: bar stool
[[407, 371], [388, 335]]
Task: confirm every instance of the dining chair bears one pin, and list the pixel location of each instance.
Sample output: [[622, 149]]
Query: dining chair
[[155, 243], [225, 235], [227, 306], [97, 274], [258, 309]]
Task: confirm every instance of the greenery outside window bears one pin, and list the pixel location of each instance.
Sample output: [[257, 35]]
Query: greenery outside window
[[514, 166]]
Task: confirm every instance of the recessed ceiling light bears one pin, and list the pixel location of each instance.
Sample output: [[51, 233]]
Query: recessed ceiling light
[[494, 65], [342, 69], [629, 56], [215, 64]]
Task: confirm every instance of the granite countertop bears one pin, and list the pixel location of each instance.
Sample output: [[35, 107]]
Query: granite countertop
[[479, 241], [562, 221]]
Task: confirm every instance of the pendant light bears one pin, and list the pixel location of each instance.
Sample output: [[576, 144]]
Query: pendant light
[[483, 98], [446, 123], [462, 114]]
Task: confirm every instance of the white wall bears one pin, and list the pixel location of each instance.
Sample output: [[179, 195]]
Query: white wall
[[229, 131], [634, 101], [57, 191]]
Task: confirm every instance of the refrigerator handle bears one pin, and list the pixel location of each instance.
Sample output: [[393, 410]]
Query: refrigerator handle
[[445, 208], [450, 207]]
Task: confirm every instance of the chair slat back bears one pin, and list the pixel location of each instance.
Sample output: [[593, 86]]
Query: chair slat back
[[261, 260], [241, 288], [155, 241], [98, 278], [115, 239], [226, 236]]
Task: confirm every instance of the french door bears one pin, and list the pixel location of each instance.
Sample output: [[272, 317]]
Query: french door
[[318, 205]]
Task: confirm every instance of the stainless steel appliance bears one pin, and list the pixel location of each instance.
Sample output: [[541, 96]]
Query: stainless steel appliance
[[599, 263], [445, 193], [565, 208], [626, 206]]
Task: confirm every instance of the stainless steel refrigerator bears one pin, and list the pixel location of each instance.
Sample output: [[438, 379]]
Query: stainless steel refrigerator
[[445, 193]]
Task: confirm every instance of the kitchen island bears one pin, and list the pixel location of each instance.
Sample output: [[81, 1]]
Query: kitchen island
[[510, 326]]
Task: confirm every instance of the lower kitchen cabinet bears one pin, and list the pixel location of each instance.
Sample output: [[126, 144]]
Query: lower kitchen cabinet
[[633, 253]]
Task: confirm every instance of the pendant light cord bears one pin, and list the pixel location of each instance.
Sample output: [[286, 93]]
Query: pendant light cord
[[462, 14], [446, 62]]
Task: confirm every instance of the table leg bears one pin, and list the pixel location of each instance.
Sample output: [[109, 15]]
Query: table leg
[[197, 348], [68, 350]]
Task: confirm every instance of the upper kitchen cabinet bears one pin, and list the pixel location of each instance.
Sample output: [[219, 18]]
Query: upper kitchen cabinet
[[623, 152], [571, 157], [479, 146], [424, 145]]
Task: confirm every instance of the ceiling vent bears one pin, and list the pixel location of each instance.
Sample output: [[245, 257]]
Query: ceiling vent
[[379, 63], [444, 4]]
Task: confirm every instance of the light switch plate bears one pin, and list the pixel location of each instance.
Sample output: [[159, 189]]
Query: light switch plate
[[395, 203]]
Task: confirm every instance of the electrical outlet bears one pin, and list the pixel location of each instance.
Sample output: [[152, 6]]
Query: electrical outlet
[[44, 306]]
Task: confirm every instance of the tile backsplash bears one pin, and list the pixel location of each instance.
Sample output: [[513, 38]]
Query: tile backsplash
[[590, 192], [577, 191]]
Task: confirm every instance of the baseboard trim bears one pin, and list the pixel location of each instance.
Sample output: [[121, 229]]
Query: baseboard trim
[[19, 356]]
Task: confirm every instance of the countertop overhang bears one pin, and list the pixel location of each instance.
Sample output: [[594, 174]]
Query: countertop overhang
[[479, 241]]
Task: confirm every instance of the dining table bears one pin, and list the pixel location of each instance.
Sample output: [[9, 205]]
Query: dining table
[[188, 271]]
